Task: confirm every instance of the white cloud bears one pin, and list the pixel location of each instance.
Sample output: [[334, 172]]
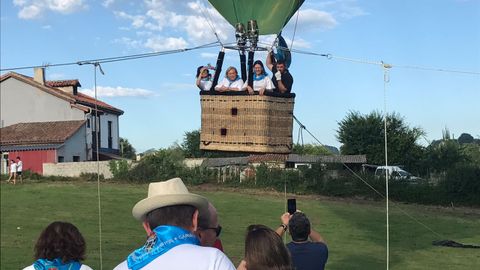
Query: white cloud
[[316, 19], [208, 55], [162, 44], [33, 9], [107, 91], [29, 12], [346, 9], [108, 3], [47, 27], [131, 43]]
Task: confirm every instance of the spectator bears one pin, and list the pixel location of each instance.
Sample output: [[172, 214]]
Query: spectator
[[60, 246], [204, 78], [282, 79], [13, 172], [209, 229], [231, 82], [306, 254], [261, 81], [19, 169], [170, 216], [264, 249]]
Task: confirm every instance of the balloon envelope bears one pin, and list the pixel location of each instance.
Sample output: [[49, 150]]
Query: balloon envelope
[[271, 15]]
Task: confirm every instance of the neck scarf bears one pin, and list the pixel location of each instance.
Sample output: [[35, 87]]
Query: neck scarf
[[163, 239], [236, 79], [56, 264], [259, 77]]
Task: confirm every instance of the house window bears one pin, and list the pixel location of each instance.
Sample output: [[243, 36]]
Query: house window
[[110, 139], [76, 158], [61, 159]]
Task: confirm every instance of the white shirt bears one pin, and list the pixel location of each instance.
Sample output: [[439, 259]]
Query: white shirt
[[188, 257], [205, 85], [225, 82], [83, 267], [19, 166], [266, 83], [13, 167]]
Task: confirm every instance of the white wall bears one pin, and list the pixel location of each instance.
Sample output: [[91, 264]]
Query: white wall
[[23, 103], [104, 118], [74, 146], [73, 169]]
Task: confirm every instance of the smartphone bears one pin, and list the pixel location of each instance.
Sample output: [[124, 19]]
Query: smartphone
[[291, 206]]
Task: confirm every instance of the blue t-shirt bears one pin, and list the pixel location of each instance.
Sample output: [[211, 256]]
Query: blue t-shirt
[[309, 255]]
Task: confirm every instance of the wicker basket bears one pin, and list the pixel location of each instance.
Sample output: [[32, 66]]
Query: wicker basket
[[247, 123]]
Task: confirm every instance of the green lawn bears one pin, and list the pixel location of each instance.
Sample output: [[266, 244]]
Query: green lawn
[[354, 231]]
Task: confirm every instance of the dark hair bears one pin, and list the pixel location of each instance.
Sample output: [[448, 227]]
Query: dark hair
[[198, 71], [60, 240], [282, 62], [175, 215], [299, 227], [18, 157], [264, 250], [258, 62]]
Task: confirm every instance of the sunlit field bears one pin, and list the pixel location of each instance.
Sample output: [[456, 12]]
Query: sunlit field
[[354, 230]]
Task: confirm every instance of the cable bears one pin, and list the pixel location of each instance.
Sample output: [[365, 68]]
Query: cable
[[370, 186], [118, 58], [294, 30], [209, 22], [387, 174]]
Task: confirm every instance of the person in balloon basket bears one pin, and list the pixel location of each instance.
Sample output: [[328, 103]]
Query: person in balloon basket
[[231, 82], [261, 81], [282, 79], [169, 216], [204, 78], [308, 248]]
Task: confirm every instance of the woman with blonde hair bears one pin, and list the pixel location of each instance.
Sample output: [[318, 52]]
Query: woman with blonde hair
[[231, 82]]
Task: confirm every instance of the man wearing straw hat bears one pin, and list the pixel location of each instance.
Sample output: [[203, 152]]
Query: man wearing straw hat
[[169, 216]]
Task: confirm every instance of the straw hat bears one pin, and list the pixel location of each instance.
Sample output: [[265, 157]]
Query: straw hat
[[168, 193]]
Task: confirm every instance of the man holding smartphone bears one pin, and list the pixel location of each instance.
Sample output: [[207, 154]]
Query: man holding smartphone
[[307, 248]]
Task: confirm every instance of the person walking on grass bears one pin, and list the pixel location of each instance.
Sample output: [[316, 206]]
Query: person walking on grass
[[13, 172], [19, 169], [308, 248], [169, 216]]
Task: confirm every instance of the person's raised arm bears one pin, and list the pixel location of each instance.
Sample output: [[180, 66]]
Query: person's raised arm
[[285, 218], [199, 78], [316, 237], [269, 61]]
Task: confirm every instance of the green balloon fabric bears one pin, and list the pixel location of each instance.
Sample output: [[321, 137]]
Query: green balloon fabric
[[271, 15]]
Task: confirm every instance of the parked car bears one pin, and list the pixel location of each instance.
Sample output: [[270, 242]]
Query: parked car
[[395, 172]]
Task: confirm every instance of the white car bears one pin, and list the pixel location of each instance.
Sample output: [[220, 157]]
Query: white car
[[394, 172]]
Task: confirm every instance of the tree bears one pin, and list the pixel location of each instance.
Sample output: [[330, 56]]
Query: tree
[[310, 149], [191, 144], [126, 149], [364, 134], [465, 138]]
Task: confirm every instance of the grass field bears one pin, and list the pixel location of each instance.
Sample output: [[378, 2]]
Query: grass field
[[354, 230]]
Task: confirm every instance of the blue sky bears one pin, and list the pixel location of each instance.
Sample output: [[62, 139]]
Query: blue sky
[[161, 101]]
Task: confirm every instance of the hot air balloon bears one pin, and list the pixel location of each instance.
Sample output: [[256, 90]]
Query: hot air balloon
[[237, 121]]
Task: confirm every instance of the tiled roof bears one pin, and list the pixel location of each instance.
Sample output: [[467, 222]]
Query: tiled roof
[[327, 159], [267, 158], [62, 83], [79, 98], [39, 132], [220, 162]]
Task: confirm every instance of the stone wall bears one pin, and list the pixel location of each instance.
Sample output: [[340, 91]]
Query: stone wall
[[73, 169]]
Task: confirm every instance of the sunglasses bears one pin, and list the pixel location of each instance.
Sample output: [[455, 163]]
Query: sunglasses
[[217, 230]]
